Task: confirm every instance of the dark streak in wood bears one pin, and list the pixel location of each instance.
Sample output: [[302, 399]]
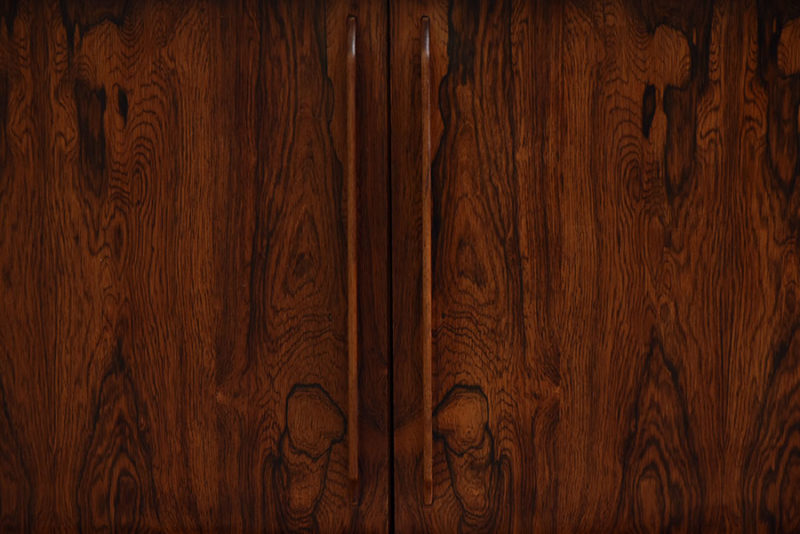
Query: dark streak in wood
[[91, 107], [648, 108], [122, 104], [8, 12], [781, 78], [82, 16]]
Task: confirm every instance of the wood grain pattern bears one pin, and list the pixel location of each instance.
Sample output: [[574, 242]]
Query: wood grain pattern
[[615, 264], [173, 263]]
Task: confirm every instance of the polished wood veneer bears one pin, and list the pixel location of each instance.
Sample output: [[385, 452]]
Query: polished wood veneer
[[399, 265], [614, 264], [173, 340]]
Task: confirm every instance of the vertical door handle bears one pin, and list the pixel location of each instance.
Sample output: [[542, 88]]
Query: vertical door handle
[[427, 334], [351, 193]]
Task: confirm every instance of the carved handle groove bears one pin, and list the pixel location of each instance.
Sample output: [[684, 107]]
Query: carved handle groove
[[351, 192], [427, 336]]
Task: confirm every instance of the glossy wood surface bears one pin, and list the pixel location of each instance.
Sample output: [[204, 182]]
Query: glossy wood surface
[[615, 266], [427, 261], [173, 267], [351, 201]]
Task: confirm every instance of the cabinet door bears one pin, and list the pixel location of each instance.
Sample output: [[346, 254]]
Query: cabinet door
[[173, 341], [614, 266]]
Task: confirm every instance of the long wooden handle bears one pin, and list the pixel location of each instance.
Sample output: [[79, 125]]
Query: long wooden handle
[[351, 192], [427, 312]]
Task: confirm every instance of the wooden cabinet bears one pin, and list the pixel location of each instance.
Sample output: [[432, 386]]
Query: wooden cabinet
[[173, 250], [407, 266], [614, 266]]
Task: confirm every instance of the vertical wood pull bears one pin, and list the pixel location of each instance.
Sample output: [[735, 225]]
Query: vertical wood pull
[[351, 192], [427, 334]]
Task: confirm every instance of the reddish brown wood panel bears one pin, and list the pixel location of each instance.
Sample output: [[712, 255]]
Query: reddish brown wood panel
[[173, 266], [615, 266]]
